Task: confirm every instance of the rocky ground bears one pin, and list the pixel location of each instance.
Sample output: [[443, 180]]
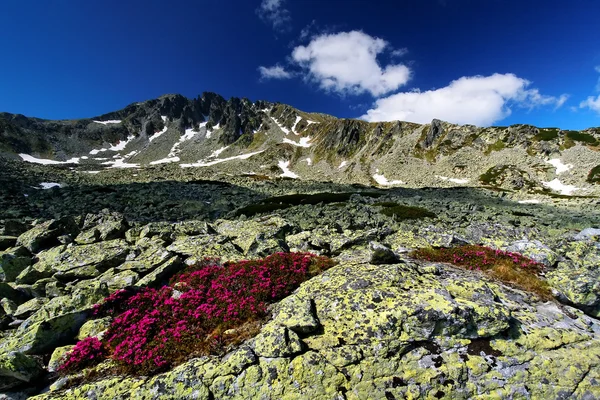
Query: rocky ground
[[377, 325]]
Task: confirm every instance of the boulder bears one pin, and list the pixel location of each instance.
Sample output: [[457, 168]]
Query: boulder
[[57, 357], [7, 242], [45, 234], [93, 327], [12, 263], [17, 369], [535, 250]]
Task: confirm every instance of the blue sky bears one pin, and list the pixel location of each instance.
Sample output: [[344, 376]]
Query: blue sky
[[485, 62]]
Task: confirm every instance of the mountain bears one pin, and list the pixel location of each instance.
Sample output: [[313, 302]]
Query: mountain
[[216, 249], [238, 136]]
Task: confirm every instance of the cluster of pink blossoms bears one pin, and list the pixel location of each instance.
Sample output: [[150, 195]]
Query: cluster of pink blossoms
[[477, 257], [154, 328]]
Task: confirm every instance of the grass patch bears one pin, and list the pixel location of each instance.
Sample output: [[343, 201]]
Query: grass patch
[[283, 202], [511, 268], [490, 177], [401, 212], [594, 175], [497, 146], [207, 309], [582, 137], [546, 134]]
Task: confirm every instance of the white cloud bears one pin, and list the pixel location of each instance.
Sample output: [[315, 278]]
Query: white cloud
[[346, 62], [399, 52], [274, 72], [274, 13], [478, 100], [597, 68], [591, 103]]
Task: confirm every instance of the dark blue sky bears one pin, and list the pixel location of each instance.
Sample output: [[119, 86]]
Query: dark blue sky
[[72, 59]]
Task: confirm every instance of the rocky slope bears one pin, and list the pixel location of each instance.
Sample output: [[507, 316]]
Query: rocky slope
[[238, 136], [380, 324]]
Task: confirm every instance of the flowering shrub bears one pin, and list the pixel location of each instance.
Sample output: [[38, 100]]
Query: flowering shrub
[[86, 353], [196, 313], [509, 267]]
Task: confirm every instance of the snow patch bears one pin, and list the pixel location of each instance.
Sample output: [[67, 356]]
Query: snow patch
[[120, 163], [382, 180], [308, 161], [94, 152], [304, 142], [530, 201], [203, 163], [453, 180], [31, 159], [111, 121], [284, 129], [558, 186], [157, 134], [92, 172], [216, 153], [284, 165], [49, 185], [165, 160], [122, 143], [560, 167], [343, 164], [298, 119], [210, 131], [164, 118]]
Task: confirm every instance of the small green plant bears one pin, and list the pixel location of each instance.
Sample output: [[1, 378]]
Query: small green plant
[[546, 134], [582, 137], [511, 268], [594, 175], [497, 146], [401, 212]]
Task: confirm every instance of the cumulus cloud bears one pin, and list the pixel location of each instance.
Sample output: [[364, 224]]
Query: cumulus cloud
[[478, 100], [346, 63], [591, 103], [274, 72], [399, 52], [275, 14]]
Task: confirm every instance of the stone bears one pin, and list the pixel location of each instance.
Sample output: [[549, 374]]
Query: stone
[[57, 357], [535, 250], [202, 246], [7, 291], [7, 242], [29, 307], [45, 234], [93, 327], [276, 341], [381, 254], [162, 273], [16, 369], [11, 265]]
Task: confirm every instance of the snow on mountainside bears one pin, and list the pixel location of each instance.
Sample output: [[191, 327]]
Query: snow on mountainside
[[238, 135]]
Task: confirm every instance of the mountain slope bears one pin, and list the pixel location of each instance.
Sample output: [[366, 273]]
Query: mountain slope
[[238, 136]]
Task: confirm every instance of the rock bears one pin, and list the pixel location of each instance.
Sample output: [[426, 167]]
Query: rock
[[8, 306], [436, 130], [251, 235], [57, 357], [205, 246], [148, 260], [276, 341], [535, 250], [7, 291], [45, 234], [7, 242], [93, 327], [11, 264], [29, 307], [580, 286], [88, 236], [32, 274], [13, 227], [162, 273], [83, 261], [588, 234], [297, 314], [119, 280], [16, 369], [109, 225], [381, 254]]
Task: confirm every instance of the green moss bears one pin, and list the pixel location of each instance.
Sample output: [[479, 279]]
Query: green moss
[[491, 176], [594, 175], [582, 137], [401, 212], [546, 134], [499, 145]]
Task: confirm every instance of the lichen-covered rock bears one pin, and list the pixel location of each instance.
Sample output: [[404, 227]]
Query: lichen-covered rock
[[12, 262], [57, 357], [205, 246], [7, 242], [535, 250], [276, 341], [29, 307], [162, 273], [579, 285], [83, 261], [93, 327], [45, 234], [250, 235], [8, 292], [16, 369]]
